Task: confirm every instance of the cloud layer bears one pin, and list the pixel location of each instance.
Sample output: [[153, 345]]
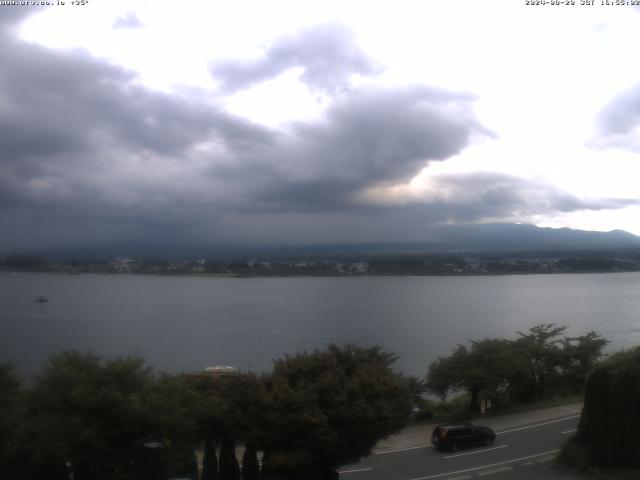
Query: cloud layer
[[618, 124], [89, 156], [126, 21], [326, 53]]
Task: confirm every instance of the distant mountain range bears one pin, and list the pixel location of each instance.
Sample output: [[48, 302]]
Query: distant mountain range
[[521, 237], [457, 239]]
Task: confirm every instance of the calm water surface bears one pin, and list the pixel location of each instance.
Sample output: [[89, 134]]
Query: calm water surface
[[187, 323]]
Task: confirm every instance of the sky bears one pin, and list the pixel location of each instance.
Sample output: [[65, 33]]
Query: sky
[[286, 122]]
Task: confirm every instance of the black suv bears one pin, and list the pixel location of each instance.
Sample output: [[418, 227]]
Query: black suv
[[454, 436]]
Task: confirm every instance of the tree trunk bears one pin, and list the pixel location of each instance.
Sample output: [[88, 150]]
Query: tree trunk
[[267, 468], [209, 461], [250, 465], [81, 471], [191, 464], [474, 406], [229, 468]]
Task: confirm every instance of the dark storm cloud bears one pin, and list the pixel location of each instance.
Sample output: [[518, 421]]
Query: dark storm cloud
[[327, 54], [617, 122], [475, 196], [56, 102], [367, 138], [81, 143], [65, 111], [452, 199], [126, 21]]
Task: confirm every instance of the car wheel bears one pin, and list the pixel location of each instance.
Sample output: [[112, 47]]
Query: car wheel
[[454, 447], [488, 442]]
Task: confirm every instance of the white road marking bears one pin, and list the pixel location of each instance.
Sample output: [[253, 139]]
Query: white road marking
[[539, 424], [404, 449], [497, 470], [540, 460], [487, 466], [355, 470], [527, 464], [569, 431], [477, 451]]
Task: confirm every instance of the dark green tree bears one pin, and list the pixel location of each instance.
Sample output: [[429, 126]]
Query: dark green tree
[[112, 418], [173, 406], [581, 355], [11, 402], [232, 406], [540, 359], [12, 423], [243, 400], [329, 408], [91, 412], [209, 422], [608, 434], [536, 364], [484, 368], [446, 374], [18, 460]]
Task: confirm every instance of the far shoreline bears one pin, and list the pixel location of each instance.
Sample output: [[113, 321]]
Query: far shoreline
[[368, 275]]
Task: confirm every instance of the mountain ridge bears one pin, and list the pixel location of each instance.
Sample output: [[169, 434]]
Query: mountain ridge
[[489, 238]]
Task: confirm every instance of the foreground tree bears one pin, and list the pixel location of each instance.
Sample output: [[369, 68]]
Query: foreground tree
[[173, 406], [608, 434], [581, 355], [485, 367], [329, 408], [112, 419], [208, 427], [243, 402], [12, 422], [537, 364], [231, 411], [90, 413], [540, 358]]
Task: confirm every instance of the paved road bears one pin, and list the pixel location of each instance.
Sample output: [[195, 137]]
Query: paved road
[[522, 450]]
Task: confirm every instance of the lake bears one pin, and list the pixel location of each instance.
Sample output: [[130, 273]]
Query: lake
[[184, 323]]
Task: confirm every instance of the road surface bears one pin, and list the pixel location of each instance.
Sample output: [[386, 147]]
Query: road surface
[[522, 451]]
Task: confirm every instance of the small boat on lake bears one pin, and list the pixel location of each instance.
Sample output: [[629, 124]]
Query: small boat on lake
[[41, 299]]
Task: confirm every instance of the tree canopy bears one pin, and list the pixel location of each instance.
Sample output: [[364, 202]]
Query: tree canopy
[[101, 416], [11, 413], [105, 419], [608, 434], [533, 365], [329, 408]]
